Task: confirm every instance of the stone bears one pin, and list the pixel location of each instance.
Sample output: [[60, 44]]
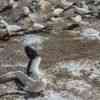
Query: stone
[[45, 8], [81, 10], [38, 26], [57, 19], [80, 87], [58, 11], [90, 34], [77, 19], [34, 40]]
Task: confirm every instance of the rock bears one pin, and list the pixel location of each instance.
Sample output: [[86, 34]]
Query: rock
[[45, 8], [4, 35], [11, 28], [38, 26], [66, 4], [75, 68], [14, 12], [34, 40], [80, 87], [13, 3], [81, 11], [90, 34], [86, 69], [92, 74], [57, 19], [56, 3], [58, 11], [53, 95], [77, 19]]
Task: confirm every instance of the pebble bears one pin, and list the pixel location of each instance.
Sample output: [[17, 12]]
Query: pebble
[[77, 19], [58, 11]]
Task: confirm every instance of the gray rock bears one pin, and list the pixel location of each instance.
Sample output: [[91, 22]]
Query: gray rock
[[90, 34]]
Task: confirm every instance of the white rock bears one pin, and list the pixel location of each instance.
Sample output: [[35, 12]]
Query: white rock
[[57, 19], [58, 11], [26, 10], [13, 3], [38, 26], [77, 19]]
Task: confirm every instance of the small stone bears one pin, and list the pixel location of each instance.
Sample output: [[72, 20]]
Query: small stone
[[77, 19], [38, 26], [57, 19], [58, 11]]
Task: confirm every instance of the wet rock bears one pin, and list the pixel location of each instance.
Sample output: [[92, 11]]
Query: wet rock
[[90, 34]]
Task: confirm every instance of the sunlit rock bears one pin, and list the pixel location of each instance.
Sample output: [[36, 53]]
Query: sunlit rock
[[77, 19], [45, 8], [58, 11]]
